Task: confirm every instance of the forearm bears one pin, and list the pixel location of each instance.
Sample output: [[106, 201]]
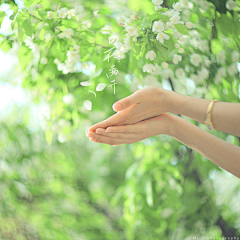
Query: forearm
[[225, 116], [221, 153]]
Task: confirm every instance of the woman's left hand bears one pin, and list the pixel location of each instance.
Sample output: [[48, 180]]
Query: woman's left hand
[[132, 133]]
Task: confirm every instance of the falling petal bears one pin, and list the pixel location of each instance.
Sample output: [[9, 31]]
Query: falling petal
[[88, 104], [101, 86], [86, 83]]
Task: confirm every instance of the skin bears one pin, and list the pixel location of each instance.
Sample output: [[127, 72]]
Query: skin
[[137, 119]]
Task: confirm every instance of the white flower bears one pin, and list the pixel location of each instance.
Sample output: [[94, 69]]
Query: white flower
[[197, 79], [184, 3], [186, 12], [181, 50], [179, 72], [165, 65], [149, 79], [44, 60], [56, 61], [203, 73], [177, 6], [68, 99], [158, 26], [119, 55], [175, 19], [151, 54], [87, 24], [132, 31], [106, 29], [61, 66], [189, 25], [167, 73], [157, 7], [79, 17], [232, 69], [195, 59], [204, 5], [182, 39], [134, 39], [207, 62], [71, 13], [69, 64], [221, 57], [166, 212], [79, 8], [177, 58], [194, 42], [114, 38], [85, 65], [119, 45], [68, 33], [39, 6], [177, 45], [230, 4], [135, 84], [96, 14], [177, 34], [120, 19], [222, 71], [149, 68], [235, 56], [77, 48], [73, 56], [62, 13], [61, 35], [218, 78], [203, 45], [50, 15], [168, 25], [157, 71], [161, 36], [157, 2]]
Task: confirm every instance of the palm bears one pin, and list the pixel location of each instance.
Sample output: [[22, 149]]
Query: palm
[[141, 105]]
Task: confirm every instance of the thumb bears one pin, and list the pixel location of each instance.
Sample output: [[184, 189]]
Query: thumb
[[124, 103]]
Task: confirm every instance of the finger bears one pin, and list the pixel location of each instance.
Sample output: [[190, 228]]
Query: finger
[[114, 135], [117, 118], [117, 129], [109, 140], [125, 102]]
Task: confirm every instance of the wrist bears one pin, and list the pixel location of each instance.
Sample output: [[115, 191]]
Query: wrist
[[174, 101]]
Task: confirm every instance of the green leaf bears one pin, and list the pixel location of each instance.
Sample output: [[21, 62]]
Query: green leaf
[[159, 16], [20, 34], [146, 22], [2, 16], [42, 14], [27, 27], [13, 23], [5, 45], [181, 29], [170, 44], [69, 23], [225, 25]]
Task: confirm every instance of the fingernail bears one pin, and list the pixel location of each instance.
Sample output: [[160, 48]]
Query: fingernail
[[117, 105]]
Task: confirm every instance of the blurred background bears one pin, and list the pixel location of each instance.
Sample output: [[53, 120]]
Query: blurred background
[[78, 189]]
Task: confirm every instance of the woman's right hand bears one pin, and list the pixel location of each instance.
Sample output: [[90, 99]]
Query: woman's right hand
[[141, 105]]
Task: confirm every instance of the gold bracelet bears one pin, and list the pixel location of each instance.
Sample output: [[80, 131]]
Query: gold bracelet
[[208, 121]]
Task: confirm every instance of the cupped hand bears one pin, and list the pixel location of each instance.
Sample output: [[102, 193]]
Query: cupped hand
[[142, 104], [132, 133]]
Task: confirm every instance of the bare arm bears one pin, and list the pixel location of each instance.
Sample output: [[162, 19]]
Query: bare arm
[[221, 153], [225, 115]]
